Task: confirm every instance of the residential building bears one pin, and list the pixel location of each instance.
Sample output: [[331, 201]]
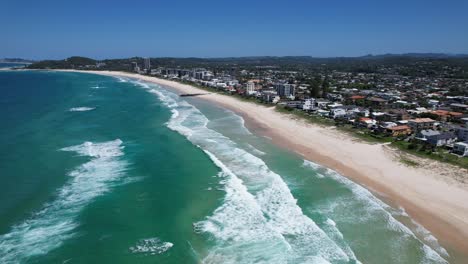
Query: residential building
[[293, 104], [135, 66], [337, 113], [376, 101], [396, 131], [285, 89], [147, 62], [355, 98], [270, 97], [334, 105], [461, 148], [419, 124], [445, 115], [367, 122], [436, 138], [459, 107], [321, 103], [418, 110], [309, 104], [250, 88], [462, 133]]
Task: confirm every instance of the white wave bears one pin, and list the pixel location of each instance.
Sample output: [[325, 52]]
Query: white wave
[[259, 220], [96, 87], [374, 207], [251, 233], [311, 165], [121, 79], [255, 150], [151, 246], [230, 118], [429, 238], [81, 109], [56, 222], [142, 84], [308, 164], [335, 234]]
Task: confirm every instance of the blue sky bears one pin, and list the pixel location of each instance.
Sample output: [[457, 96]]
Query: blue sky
[[116, 29]]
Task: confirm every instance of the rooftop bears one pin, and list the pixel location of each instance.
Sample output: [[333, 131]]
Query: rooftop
[[396, 128], [421, 120]]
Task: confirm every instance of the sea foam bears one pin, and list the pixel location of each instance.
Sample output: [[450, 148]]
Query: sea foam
[[374, 207], [123, 80], [151, 246], [259, 220], [57, 221], [81, 109]]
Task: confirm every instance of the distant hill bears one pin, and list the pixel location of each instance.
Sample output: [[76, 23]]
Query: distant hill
[[410, 64], [419, 55], [75, 62]]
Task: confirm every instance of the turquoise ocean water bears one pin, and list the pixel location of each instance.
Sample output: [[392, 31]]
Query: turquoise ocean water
[[97, 169]]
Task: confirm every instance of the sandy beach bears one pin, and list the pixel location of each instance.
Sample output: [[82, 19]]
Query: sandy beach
[[433, 194]]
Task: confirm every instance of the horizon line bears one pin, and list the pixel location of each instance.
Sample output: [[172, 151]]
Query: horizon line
[[422, 54]]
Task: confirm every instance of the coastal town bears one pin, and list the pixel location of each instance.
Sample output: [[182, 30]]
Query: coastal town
[[387, 123], [425, 115], [417, 105]]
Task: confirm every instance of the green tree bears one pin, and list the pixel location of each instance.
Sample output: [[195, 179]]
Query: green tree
[[314, 87], [325, 86]]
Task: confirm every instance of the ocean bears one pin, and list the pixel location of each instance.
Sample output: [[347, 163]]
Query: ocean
[[97, 169]]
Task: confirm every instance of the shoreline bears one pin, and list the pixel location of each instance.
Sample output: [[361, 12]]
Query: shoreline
[[427, 194]]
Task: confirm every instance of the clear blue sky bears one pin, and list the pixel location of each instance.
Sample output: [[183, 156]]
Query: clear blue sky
[[42, 29]]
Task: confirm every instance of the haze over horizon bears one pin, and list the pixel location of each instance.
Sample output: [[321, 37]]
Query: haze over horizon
[[55, 30]]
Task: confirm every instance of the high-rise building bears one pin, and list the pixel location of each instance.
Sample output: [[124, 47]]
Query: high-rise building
[[285, 89], [250, 88], [147, 62], [135, 66]]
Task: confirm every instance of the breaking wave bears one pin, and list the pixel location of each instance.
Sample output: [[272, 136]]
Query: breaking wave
[[373, 208], [121, 79], [259, 220], [81, 109], [56, 221], [151, 246]]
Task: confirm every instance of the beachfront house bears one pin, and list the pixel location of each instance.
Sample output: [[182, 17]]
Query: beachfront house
[[462, 133], [321, 103], [322, 112], [292, 104], [338, 113], [419, 124], [461, 148], [436, 138], [367, 122], [309, 104], [270, 97], [396, 131]]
